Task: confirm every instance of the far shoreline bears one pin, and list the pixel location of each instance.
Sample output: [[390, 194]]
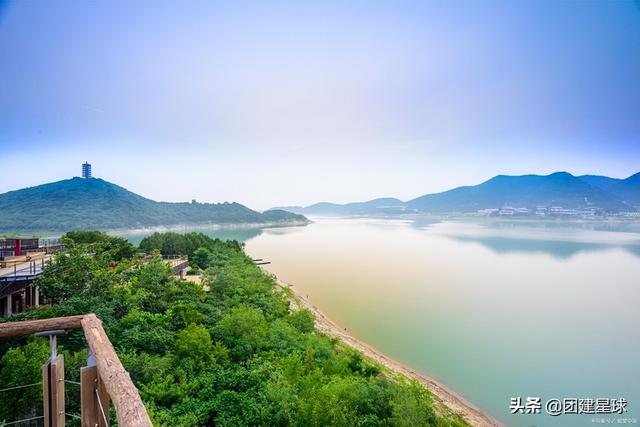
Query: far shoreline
[[443, 394], [183, 228], [207, 226]]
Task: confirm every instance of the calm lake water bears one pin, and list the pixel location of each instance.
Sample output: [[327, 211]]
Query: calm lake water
[[492, 310]]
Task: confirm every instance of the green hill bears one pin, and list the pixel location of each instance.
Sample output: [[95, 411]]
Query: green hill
[[94, 203]]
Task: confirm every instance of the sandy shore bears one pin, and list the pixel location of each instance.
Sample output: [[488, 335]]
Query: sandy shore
[[444, 395]]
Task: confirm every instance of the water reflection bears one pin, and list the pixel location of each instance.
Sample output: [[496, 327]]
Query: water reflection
[[556, 239], [556, 249]]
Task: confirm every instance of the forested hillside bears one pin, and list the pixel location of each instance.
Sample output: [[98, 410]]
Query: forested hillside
[[95, 203], [235, 356]]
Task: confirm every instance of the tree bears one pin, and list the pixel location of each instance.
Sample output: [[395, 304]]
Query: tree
[[193, 342], [412, 406], [302, 320], [18, 367], [109, 248], [243, 331], [75, 273], [201, 258]]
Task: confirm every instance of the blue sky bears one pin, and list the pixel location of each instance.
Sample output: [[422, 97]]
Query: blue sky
[[276, 103]]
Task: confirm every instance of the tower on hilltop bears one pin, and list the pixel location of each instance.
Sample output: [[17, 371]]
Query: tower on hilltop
[[86, 170]]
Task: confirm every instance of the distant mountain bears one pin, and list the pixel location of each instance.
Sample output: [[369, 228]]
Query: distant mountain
[[627, 190], [79, 203], [380, 206], [528, 191], [557, 189]]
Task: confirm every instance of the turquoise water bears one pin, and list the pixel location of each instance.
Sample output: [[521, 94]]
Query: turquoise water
[[492, 310]]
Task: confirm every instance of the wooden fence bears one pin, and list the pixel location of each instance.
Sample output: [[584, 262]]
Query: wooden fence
[[103, 379]]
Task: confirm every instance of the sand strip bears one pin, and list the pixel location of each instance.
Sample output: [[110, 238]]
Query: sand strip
[[444, 395]]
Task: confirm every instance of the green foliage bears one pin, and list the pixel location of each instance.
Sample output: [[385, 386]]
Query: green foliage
[[76, 274], [302, 320], [412, 406], [85, 236], [110, 248], [21, 366], [201, 258], [235, 356], [193, 342], [243, 331], [144, 331], [188, 244]]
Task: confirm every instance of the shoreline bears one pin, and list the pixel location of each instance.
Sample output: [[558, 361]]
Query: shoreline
[[207, 226], [50, 234], [440, 392]]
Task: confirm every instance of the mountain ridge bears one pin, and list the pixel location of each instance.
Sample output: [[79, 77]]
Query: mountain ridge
[[528, 191], [627, 189], [95, 203]]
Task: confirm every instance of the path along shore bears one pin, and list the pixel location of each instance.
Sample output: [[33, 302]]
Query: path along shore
[[444, 395]]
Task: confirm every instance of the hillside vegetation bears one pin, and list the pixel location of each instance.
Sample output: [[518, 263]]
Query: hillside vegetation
[[238, 355], [94, 203]]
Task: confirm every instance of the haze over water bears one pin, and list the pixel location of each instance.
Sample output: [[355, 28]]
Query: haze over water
[[493, 312]]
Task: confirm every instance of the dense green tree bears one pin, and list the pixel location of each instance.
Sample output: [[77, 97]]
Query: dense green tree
[[412, 406], [76, 273], [302, 320], [109, 248], [19, 367], [193, 342], [186, 244], [243, 331], [201, 258]]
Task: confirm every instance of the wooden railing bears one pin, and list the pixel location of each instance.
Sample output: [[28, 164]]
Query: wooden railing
[[102, 379]]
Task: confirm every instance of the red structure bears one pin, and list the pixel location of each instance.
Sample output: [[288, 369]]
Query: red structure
[[17, 246]]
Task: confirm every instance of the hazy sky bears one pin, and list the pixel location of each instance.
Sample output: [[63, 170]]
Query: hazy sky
[[278, 103]]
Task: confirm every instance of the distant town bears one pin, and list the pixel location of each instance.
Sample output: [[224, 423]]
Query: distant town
[[589, 212]]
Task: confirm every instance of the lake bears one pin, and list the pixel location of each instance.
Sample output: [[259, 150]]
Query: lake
[[493, 310]]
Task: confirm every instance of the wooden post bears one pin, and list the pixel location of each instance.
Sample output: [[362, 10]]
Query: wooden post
[[90, 384], [104, 400], [112, 376], [53, 392], [46, 396], [12, 329], [57, 371], [129, 407]]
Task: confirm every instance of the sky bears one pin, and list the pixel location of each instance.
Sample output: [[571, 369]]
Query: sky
[[290, 103]]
